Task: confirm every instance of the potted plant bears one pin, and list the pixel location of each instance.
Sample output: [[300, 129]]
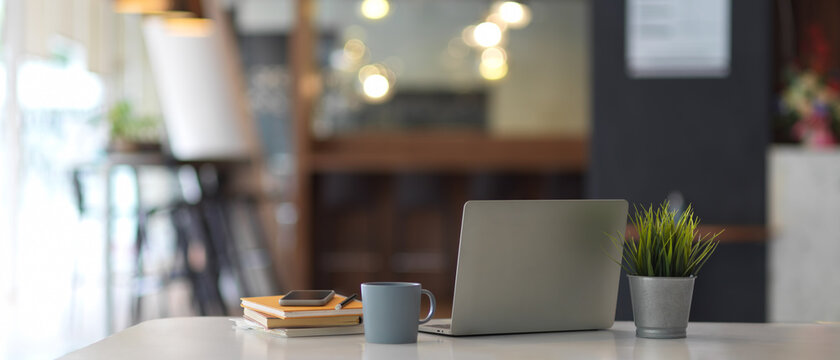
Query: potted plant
[[130, 132], [661, 266]]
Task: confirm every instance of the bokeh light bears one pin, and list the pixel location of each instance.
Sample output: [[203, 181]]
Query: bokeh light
[[487, 34], [468, 36], [354, 49], [369, 70], [350, 57], [375, 9], [493, 73], [493, 57], [514, 13], [497, 19], [376, 86], [377, 82]]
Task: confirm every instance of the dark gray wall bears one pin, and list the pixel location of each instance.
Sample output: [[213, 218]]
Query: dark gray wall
[[703, 137]]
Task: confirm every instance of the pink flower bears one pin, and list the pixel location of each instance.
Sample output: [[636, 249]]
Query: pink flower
[[821, 138], [815, 130]]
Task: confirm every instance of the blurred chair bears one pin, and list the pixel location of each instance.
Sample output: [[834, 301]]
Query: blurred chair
[[211, 244], [212, 140]]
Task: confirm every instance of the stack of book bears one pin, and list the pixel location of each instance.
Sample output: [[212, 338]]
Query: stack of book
[[266, 313]]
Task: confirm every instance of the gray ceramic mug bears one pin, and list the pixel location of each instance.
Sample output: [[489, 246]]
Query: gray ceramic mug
[[391, 310]]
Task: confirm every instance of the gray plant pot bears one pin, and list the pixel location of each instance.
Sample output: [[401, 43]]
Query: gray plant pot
[[661, 305]]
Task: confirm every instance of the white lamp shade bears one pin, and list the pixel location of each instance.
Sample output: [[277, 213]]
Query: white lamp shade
[[202, 114]]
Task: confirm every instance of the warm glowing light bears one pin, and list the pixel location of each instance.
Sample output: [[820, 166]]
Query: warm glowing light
[[468, 35], [369, 70], [375, 9], [377, 82], [493, 57], [376, 86], [511, 11], [515, 14], [493, 73], [141, 6], [354, 49], [350, 57], [493, 63], [487, 34], [189, 27], [497, 19]]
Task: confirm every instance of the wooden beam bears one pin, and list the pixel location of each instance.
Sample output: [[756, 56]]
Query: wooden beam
[[731, 233], [304, 77], [449, 152]]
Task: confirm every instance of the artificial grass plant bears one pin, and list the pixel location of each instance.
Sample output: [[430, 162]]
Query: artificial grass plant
[[668, 245]]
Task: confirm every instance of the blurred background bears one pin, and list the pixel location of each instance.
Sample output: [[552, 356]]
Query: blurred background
[[166, 157]]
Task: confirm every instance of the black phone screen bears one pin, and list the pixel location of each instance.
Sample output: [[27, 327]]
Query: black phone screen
[[306, 294]]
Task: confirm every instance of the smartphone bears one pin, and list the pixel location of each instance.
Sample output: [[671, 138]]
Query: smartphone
[[307, 297]]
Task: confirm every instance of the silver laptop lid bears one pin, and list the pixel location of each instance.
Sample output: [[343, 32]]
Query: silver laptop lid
[[537, 265]]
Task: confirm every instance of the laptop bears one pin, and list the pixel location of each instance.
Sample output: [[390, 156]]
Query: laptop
[[535, 266]]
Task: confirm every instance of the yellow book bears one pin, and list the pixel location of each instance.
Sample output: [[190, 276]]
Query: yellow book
[[270, 305], [271, 322]]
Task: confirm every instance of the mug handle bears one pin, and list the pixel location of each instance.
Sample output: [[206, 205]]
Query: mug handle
[[431, 308]]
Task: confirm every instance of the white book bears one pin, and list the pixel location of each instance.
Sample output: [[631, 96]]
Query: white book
[[245, 324]]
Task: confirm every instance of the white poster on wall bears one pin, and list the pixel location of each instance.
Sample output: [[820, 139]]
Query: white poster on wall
[[678, 38]]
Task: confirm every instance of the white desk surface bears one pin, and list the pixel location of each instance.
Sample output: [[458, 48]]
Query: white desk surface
[[210, 338]]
